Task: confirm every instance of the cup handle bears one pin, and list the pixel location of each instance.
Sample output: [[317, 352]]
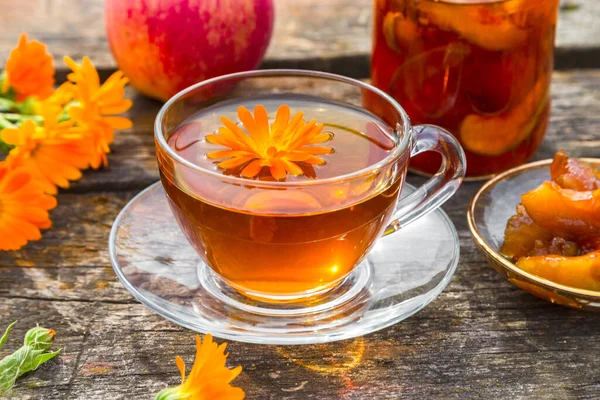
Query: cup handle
[[438, 188]]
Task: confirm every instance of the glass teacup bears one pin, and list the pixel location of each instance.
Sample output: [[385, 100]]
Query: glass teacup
[[292, 235]]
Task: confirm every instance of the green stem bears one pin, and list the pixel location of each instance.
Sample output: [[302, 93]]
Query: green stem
[[5, 123], [12, 117], [7, 105]]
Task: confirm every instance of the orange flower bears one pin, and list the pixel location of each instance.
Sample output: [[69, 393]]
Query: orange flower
[[97, 105], [100, 140], [23, 207], [29, 70], [56, 101], [278, 145], [54, 153], [209, 377]]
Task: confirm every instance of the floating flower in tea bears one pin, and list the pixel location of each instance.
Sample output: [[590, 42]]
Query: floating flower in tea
[[278, 145]]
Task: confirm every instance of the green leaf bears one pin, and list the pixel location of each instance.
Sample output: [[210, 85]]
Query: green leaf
[[27, 358], [6, 332], [39, 360]]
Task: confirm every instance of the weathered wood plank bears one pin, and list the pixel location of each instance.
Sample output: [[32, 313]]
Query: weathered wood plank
[[332, 35], [470, 347]]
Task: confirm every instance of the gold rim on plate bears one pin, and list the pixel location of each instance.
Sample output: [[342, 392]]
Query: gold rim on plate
[[495, 254]]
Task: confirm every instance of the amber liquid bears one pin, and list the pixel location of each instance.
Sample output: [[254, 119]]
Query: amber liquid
[[481, 70], [285, 242]]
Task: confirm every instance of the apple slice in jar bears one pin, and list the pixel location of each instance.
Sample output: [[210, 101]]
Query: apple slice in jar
[[486, 26], [399, 32], [430, 82], [495, 135]]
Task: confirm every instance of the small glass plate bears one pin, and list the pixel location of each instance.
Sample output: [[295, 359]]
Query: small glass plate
[[402, 274], [488, 213]]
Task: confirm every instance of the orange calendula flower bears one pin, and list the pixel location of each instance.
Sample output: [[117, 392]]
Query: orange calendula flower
[[56, 102], [278, 145], [23, 207], [209, 378], [100, 140], [98, 103], [29, 70], [54, 153]]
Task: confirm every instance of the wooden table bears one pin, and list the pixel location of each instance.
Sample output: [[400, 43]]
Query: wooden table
[[482, 338]]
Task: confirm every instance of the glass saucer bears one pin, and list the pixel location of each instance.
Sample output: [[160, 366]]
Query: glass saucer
[[402, 274], [488, 213]]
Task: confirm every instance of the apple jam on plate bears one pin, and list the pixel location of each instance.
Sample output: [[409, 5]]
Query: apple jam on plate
[[539, 226]]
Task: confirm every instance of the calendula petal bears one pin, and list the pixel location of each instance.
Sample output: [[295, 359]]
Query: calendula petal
[[292, 168], [277, 169], [220, 139], [10, 136], [232, 138], [315, 131], [117, 107], [246, 117], [301, 134], [235, 162], [314, 160], [320, 138], [9, 239], [181, 366], [297, 156], [238, 133], [252, 169], [281, 120], [118, 122], [261, 119], [316, 149], [22, 227], [227, 154], [290, 131]]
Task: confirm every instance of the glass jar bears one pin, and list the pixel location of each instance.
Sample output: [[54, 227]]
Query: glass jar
[[479, 68]]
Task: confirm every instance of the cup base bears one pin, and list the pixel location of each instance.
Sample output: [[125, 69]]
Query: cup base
[[351, 288]]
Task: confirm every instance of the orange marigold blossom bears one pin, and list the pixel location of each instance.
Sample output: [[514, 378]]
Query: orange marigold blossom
[[56, 102], [23, 207], [29, 70], [96, 105], [100, 140], [209, 378], [277, 145], [54, 153]]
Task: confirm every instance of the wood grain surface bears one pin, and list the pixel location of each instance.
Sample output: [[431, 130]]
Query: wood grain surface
[[326, 35], [483, 338]]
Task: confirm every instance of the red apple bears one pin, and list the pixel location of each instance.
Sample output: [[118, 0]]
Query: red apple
[[166, 46]]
